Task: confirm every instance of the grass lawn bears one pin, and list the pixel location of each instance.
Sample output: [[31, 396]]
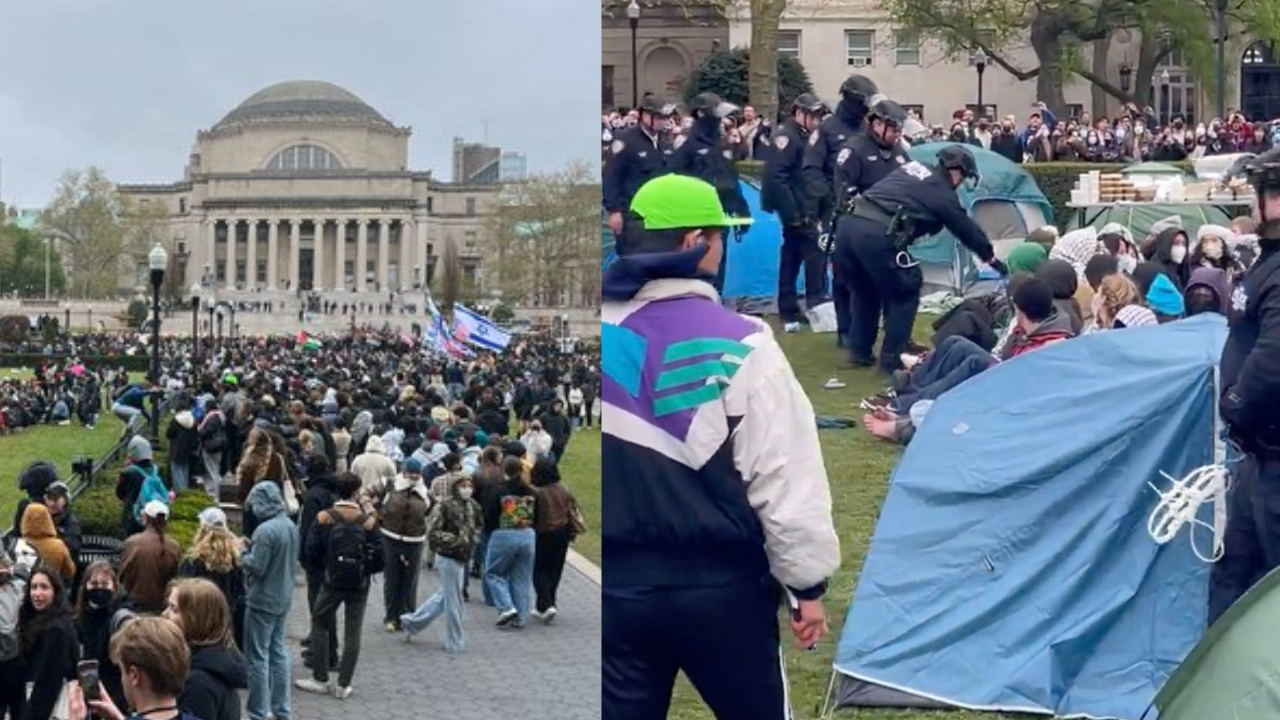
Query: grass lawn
[[58, 444], [581, 473], [858, 467]]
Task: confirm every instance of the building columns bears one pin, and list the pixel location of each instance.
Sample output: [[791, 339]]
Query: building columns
[[317, 256], [340, 256], [384, 252], [362, 254], [420, 251], [211, 260], [233, 230], [295, 241], [251, 257], [273, 251]]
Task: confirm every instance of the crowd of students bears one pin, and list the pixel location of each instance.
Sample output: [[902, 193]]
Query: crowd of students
[[364, 457], [1062, 287]]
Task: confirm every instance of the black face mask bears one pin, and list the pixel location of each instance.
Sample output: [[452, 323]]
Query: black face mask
[[99, 598]]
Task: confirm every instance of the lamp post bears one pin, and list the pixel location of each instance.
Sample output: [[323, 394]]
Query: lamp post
[[218, 335], [633, 17], [980, 62], [1126, 76], [48, 243], [157, 260], [195, 326], [1166, 103]]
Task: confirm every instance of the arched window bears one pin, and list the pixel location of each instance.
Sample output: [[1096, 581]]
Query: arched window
[[304, 157]]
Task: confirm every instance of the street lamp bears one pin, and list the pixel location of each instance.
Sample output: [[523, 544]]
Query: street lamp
[[1166, 103], [1126, 76], [157, 260], [633, 17], [980, 62], [48, 243], [195, 326]]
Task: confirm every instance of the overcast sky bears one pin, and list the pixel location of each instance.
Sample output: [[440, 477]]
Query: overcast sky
[[125, 84]]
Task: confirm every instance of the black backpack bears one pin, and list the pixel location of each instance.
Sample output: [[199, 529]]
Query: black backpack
[[344, 567]]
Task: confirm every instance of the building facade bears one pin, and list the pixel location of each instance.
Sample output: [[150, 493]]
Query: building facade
[[834, 40], [672, 38], [303, 187], [475, 163]]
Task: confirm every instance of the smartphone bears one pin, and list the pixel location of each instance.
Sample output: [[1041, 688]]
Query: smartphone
[[87, 671]]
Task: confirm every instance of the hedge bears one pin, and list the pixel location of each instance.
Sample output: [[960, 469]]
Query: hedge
[[131, 363], [1055, 179], [99, 512]]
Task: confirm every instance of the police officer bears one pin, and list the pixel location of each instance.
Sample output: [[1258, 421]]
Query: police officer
[[785, 192], [704, 153], [635, 155], [856, 94], [913, 201], [1250, 373]]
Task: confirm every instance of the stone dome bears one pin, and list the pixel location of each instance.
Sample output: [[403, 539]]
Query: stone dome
[[302, 101]]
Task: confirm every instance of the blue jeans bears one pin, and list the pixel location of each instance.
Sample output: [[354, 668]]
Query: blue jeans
[[508, 571], [955, 360], [269, 681], [480, 556], [181, 475], [446, 601]]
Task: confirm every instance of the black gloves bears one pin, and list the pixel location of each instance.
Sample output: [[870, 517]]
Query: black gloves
[[998, 265]]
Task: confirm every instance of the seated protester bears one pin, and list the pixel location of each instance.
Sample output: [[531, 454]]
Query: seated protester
[[953, 361], [1077, 247], [154, 661], [139, 484], [1118, 243], [1144, 275], [149, 560], [1115, 294], [1165, 300], [1025, 258], [1208, 291], [1045, 237], [1212, 251], [1063, 282], [1169, 251], [1244, 240], [1099, 267], [39, 532]]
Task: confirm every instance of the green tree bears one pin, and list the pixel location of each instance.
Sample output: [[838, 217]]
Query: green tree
[[1059, 30], [450, 273], [22, 264], [727, 74]]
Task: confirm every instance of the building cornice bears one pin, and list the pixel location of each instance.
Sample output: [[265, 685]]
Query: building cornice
[[236, 129], [311, 203]]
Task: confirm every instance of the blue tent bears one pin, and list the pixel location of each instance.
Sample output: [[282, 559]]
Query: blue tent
[[1007, 204], [1011, 569]]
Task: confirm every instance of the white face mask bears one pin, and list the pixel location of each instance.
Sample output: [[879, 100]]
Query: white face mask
[[1212, 249], [1178, 253], [465, 493], [1128, 264]]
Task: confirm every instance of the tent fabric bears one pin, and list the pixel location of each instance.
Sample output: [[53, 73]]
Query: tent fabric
[[1004, 184], [1234, 672], [1011, 569], [1139, 218], [1153, 168]]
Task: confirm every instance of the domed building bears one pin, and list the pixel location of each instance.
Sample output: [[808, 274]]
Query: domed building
[[304, 189]]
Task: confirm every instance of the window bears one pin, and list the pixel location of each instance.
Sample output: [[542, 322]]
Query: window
[[1075, 110], [860, 47], [917, 109], [1177, 99], [906, 47], [470, 242], [989, 111], [303, 157], [239, 271], [182, 205], [789, 44], [430, 205], [1173, 59], [260, 274], [985, 37], [471, 206], [1258, 54], [606, 86]]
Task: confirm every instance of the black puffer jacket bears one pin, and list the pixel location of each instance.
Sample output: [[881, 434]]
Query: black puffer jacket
[[217, 673]]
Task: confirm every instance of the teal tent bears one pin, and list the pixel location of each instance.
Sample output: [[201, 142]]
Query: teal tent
[[1007, 204], [1139, 217], [1153, 168]]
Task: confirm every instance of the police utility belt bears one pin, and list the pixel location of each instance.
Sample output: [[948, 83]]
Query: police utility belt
[[900, 226]]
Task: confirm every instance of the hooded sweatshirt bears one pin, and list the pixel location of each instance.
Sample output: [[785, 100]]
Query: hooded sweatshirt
[[268, 563], [1056, 327], [1025, 258], [183, 438], [1061, 278], [454, 526], [217, 672], [373, 466], [1215, 280], [39, 531], [1164, 298], [1162, 255]]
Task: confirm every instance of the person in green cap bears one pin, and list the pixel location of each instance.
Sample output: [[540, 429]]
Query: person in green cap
[[1026, 258], [716, 501]]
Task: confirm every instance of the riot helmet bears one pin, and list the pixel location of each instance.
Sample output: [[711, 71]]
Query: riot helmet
[[959, 157], [892, 118]]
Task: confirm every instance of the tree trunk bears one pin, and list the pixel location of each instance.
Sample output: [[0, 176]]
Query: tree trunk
[[1101, 49], [1046, 40], [762, 72]]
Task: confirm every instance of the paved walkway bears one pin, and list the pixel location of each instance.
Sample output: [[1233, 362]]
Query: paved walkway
[[540, 673]]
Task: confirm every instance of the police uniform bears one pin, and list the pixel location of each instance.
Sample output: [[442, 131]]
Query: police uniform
[[705, 155], [872, 254], [635, 157], [819, 170], [1250, 375], [785, 192]]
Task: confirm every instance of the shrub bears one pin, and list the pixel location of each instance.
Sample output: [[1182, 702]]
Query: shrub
[[14, 328], [137, 313], [132, 363], [99, 510], [725, 74]]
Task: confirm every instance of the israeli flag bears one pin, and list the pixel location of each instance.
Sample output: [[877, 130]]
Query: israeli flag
[[472, 327]]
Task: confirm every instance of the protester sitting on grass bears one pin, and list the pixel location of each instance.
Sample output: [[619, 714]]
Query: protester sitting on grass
[[101, 610], [1064, 282], [1209, 290], [1165, 300], [149, 561], [1169, 251], [1025, 258], [218, 670], [1212, 251], [1099, 267], [1118, 304]]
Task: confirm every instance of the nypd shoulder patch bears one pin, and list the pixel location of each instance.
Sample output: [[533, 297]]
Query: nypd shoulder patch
[[702, 151], [617, 147], [1239, 299], [901, 159], [917, 170], [679, 140], [728, 154], [780, 142], [844, 155], [813, 139]]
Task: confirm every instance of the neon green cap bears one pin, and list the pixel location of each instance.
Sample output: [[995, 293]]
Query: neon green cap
[[670, 202]]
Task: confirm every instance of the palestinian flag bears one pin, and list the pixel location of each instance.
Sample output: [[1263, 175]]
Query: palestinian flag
[[307, 342]]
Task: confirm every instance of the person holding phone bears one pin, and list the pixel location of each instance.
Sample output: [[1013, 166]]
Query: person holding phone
[[154, 661]]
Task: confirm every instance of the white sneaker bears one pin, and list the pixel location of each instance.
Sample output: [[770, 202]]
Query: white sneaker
[[833, 384], [537, 614], [312, 685], [549, 616], [908, 360], [342, 693], [507, 618], [791, 327]]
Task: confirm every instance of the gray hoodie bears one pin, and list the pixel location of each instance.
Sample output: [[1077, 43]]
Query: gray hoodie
[[268, 563]]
